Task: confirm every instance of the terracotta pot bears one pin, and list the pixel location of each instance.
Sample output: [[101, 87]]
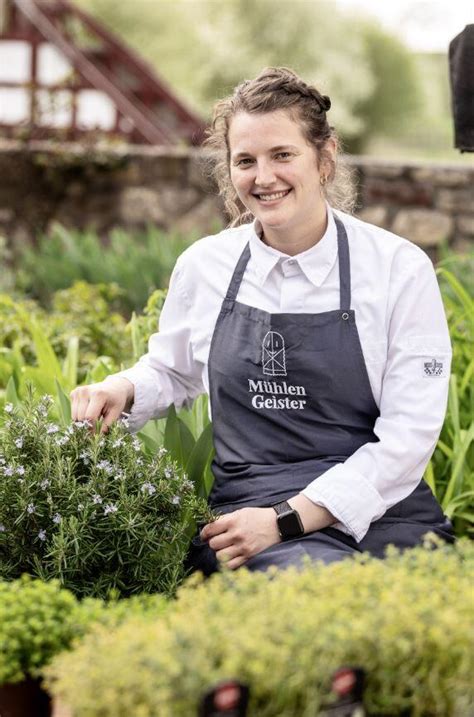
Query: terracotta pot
[[24, 699]]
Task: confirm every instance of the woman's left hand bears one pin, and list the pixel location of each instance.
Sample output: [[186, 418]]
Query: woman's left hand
[[239, 535]]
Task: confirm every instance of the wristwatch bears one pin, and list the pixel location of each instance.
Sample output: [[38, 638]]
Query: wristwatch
[[288, 521]]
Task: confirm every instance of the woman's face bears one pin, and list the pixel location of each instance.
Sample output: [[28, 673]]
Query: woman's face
[[275, 171]]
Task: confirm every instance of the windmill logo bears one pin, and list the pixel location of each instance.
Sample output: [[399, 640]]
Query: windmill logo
[[273, 354]]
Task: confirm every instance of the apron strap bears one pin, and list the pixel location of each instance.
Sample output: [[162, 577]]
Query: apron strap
[[236, 280], [344, 266], [344, 271]]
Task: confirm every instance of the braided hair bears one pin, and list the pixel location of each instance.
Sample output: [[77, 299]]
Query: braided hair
[[276, 88]]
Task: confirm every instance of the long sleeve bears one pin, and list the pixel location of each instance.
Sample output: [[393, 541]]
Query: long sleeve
[[412, 406], [168, 374]]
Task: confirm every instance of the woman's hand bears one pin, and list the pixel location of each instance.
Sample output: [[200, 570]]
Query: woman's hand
[[107, 399], [238, 536]]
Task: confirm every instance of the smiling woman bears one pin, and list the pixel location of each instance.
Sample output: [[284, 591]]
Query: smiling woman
[[320, 450]]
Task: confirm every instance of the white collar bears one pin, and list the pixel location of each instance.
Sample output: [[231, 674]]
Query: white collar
[[315, 263]]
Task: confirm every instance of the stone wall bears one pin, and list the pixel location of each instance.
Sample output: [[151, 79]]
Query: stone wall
[[131, 187]]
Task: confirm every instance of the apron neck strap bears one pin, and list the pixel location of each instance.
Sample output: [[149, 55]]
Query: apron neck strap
[[344, 270], [344, 266]]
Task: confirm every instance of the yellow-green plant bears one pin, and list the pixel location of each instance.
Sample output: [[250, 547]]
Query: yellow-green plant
[[406, 620], [451, 470], [39, 620]]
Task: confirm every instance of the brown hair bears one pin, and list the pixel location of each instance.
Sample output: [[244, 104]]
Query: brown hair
[[277, 88]]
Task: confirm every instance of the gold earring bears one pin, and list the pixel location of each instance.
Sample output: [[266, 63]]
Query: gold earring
[[323, 180]]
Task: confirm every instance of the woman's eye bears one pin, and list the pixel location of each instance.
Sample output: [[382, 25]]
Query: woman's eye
[[244, 161], [283, 155]]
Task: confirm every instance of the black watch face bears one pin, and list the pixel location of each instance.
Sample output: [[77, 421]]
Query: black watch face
[[290, 526]]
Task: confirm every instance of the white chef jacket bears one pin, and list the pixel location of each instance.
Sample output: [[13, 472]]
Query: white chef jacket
[[403, 332]]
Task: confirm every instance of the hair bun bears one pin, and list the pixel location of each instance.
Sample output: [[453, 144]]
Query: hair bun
[[325, 103]]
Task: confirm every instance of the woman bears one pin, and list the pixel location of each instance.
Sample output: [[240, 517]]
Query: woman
[[322, 343]]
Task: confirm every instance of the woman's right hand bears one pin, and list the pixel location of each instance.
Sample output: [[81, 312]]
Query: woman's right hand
[[107, 400]]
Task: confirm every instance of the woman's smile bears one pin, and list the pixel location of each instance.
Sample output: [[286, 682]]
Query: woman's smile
[[272, 197]]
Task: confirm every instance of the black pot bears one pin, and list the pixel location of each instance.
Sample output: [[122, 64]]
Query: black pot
[[24, 699]]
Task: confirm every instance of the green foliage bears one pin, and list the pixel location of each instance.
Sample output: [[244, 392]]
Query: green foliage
[[35, 624], [91, 509], [311, 44], [38, 620], [451, 470], [395, 100], [406, 620], [138, 263], [82, 330]]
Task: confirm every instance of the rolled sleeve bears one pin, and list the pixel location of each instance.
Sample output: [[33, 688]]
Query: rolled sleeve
[[412, 406]]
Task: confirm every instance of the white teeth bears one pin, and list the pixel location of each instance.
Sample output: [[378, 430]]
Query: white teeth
[[271, 197]]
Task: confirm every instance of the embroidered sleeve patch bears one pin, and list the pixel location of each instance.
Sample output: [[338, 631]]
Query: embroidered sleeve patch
[[433, 368]]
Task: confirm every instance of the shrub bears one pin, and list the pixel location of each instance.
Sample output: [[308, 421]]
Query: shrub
[[138, 263], [91, 510], [39, 620], [407, 620]]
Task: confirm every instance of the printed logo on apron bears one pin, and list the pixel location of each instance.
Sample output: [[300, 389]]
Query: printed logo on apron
[[273, 354], [269, 394]]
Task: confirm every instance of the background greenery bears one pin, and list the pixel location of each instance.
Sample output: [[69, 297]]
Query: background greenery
[[84, 336], [386, 98]]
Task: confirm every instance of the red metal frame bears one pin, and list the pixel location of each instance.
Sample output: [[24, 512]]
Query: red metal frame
[[100, 68]]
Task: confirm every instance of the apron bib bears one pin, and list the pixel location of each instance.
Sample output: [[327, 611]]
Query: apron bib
[[290, 398]]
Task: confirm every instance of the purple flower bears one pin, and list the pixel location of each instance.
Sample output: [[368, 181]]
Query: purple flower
[[110, 508], [57, 518], [96, 499], [19, 442], [42, 535], [176, 500], [2, 528], [20, 471], [31, 508], [148, 488], [8, 407], [45, 484], [52, 428]]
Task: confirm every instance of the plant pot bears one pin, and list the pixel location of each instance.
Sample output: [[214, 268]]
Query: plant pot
[[24, 699]]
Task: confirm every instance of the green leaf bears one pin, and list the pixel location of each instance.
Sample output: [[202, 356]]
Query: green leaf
[[455, 482], [179, 440], [199, 459], [11, 395], [71, 362], [64, 404]]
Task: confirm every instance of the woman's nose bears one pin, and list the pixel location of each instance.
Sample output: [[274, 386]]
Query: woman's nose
[[265, 174]]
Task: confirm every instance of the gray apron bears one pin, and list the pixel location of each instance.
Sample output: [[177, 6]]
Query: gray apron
[[290, 398]]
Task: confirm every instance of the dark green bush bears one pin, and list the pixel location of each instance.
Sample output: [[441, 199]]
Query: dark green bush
[[92, 510]]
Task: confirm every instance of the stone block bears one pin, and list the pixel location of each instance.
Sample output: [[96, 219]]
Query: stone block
[[204, 219], [465, 224], [424, 227], [377, 215], [455, 200], [398, 191], [443, 176], [384, 171], [140, 206]]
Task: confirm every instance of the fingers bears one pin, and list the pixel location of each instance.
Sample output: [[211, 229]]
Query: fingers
[[101, 400]]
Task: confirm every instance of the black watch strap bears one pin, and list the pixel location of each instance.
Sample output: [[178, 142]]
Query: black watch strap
[[283, 507]]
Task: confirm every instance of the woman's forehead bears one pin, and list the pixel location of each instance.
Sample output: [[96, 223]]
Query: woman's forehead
[[269, 129]]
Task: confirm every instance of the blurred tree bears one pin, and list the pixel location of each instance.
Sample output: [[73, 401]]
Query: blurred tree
[[203, 48], [396, 99]]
